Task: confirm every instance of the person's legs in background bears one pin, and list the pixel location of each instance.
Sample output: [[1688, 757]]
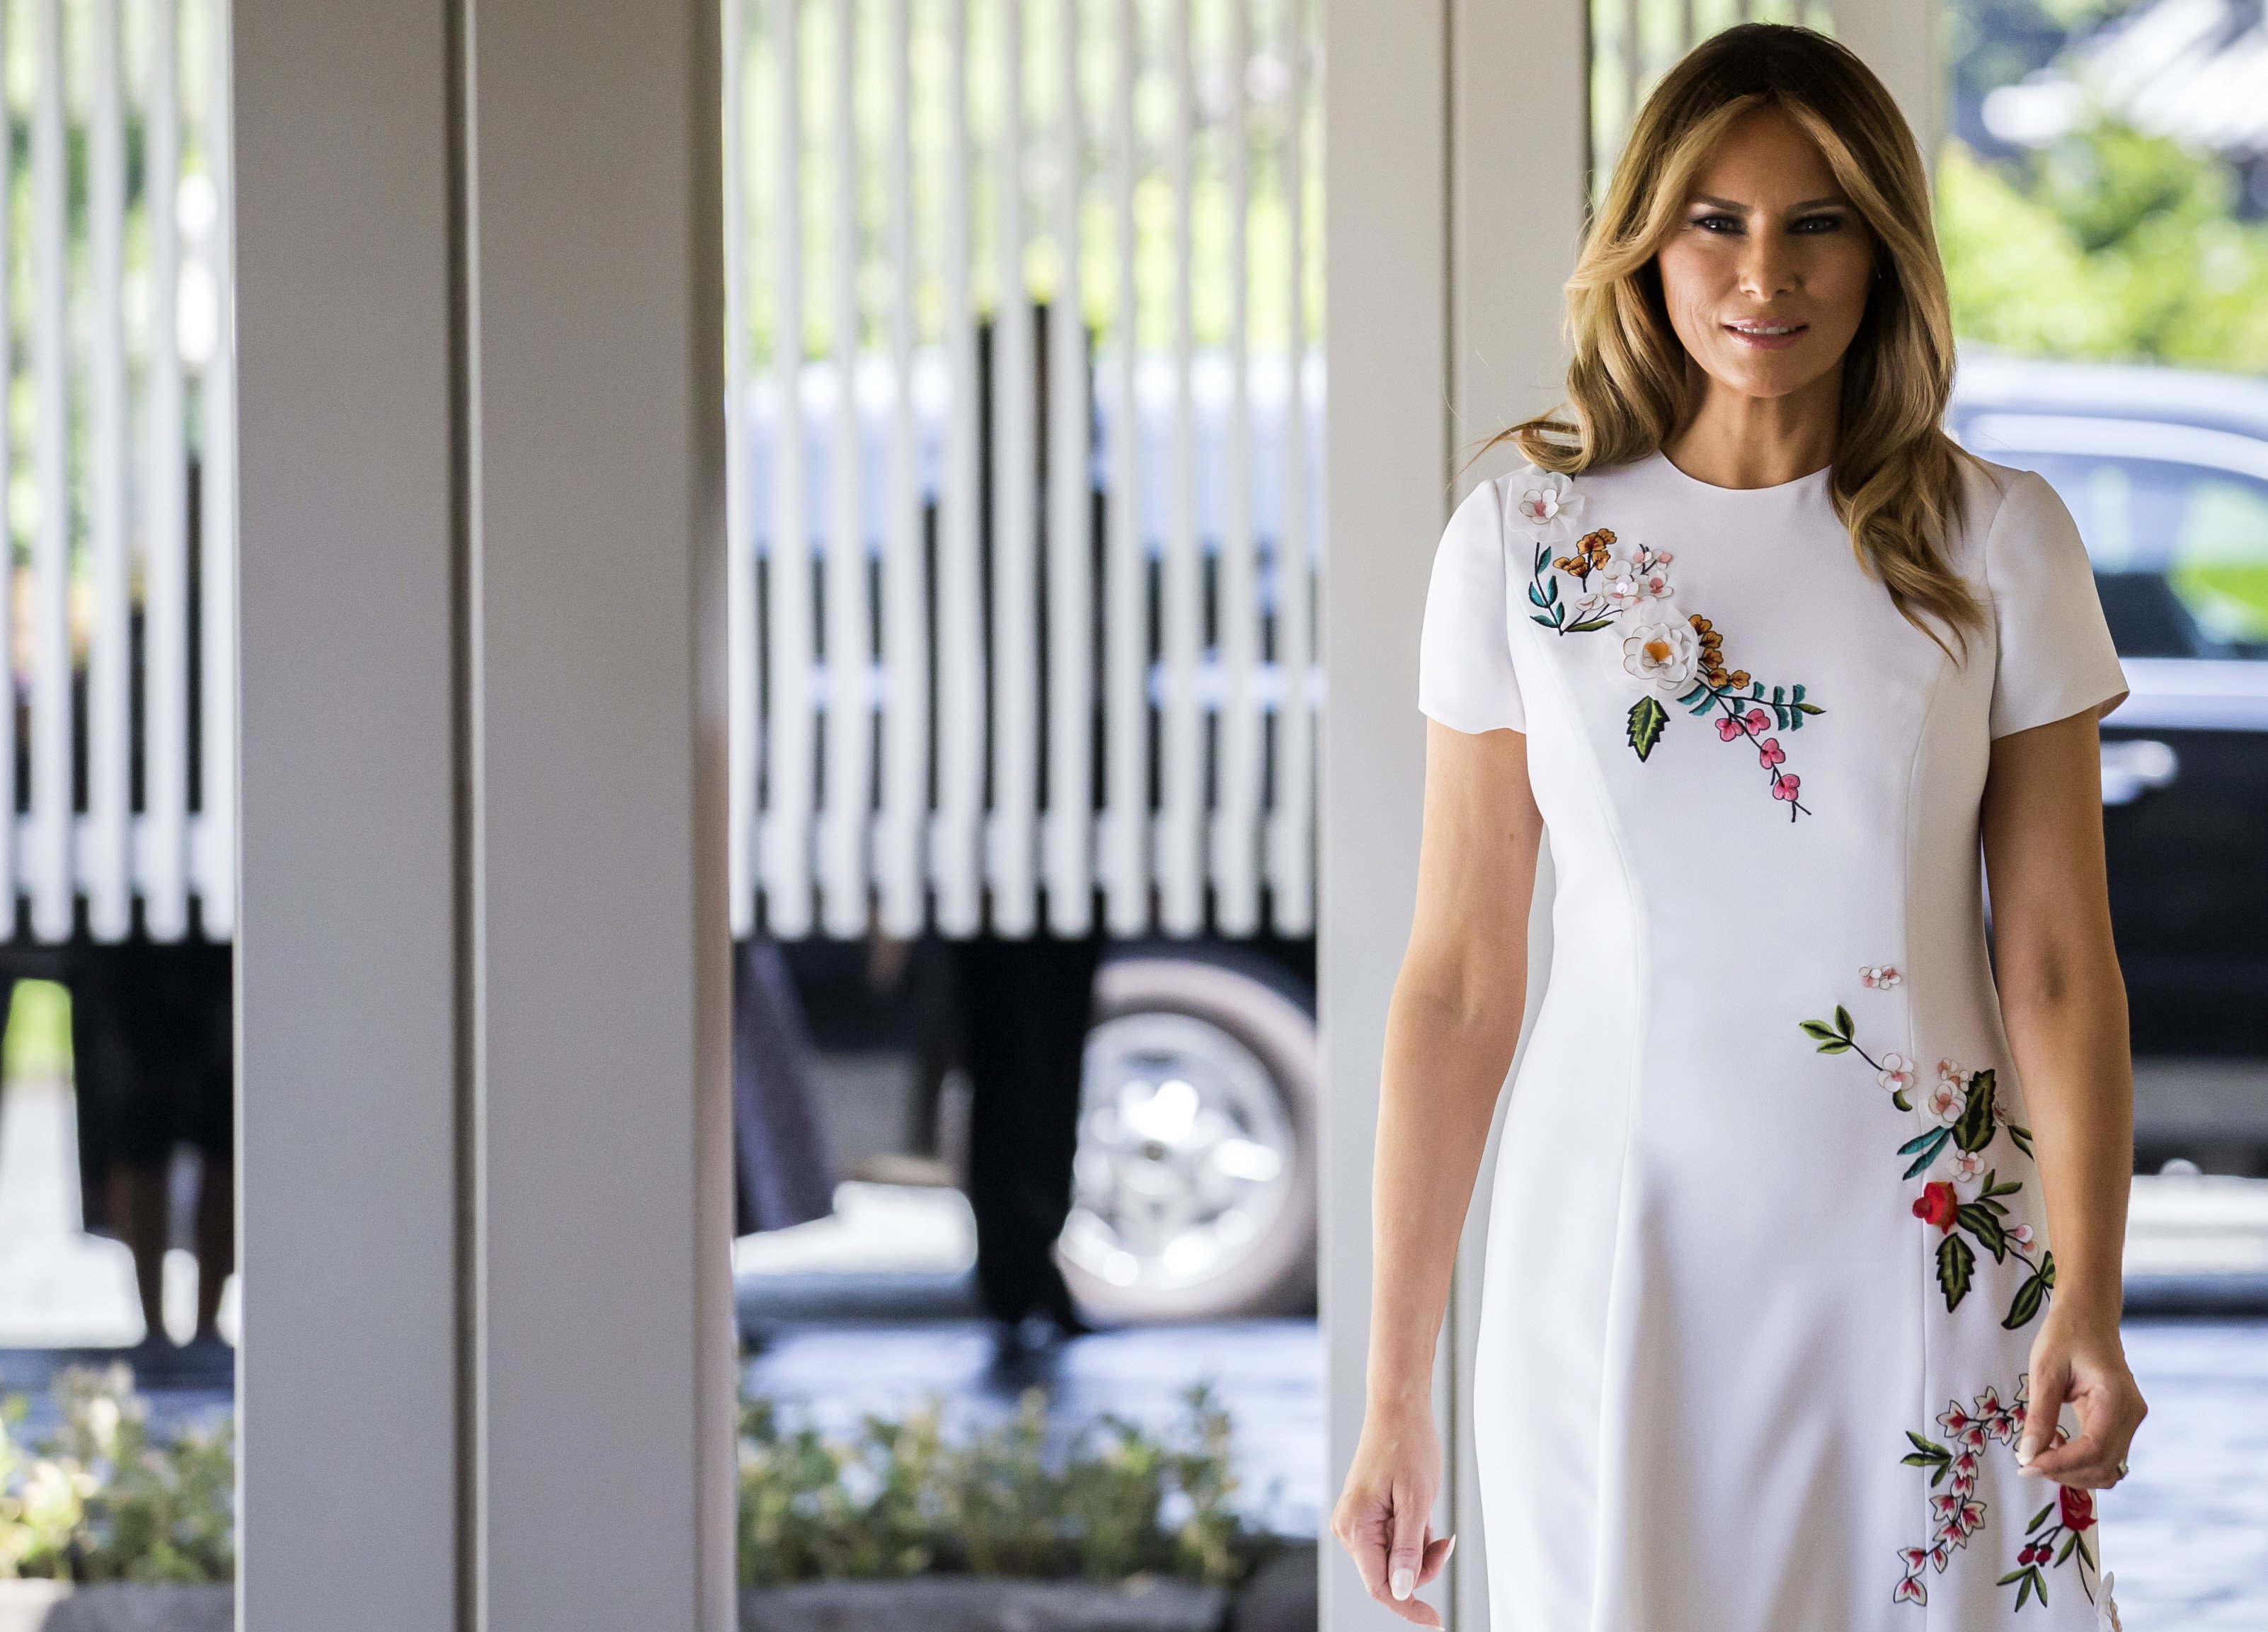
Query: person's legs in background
[[1026, 1006], [128, 1115], [208, 1119], [152, 1041]]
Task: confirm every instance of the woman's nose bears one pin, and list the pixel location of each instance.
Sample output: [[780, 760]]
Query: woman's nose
[[1766, 268]]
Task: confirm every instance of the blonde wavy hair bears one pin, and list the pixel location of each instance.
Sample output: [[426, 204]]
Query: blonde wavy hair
[[1897, 475]]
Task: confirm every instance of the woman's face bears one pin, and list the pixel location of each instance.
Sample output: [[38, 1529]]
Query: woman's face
[[1766, 276]]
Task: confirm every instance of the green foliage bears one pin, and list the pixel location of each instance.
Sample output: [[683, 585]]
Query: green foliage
[[100, 1500], [2110, 244], [895, 1498]]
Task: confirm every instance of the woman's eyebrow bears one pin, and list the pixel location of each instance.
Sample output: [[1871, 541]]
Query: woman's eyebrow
[[1835, 200]]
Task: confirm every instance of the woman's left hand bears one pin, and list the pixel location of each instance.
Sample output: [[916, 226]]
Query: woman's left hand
[[2083, 1364]]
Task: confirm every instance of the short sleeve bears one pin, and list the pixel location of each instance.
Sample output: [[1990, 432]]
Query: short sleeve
[[2056, 656], [1465, 677]]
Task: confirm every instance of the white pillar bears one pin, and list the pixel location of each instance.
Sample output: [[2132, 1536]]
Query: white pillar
[[602, 1437], [347, 1143], [488, 1376], [1898, 40], [1451, 225]]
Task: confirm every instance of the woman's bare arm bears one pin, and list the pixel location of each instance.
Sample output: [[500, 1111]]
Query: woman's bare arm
[[2064, 1005], [1450, 1031]]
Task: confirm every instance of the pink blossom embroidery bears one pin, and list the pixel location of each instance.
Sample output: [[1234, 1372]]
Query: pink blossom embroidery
[[1881, 977], [1773, 756]]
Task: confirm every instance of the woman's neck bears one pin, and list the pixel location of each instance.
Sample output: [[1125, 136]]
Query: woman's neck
[[1758, 442]]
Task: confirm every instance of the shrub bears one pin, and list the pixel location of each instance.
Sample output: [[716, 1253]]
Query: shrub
[[894, 1498], [100, 1499]]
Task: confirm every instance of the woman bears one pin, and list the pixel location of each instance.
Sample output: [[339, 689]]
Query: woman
[[1772, 1339]]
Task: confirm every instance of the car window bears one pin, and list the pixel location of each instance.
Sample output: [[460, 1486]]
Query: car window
[[2180, 550]]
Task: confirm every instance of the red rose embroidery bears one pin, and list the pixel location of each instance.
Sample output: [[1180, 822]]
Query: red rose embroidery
[[2078, 1507], [1937, 1205]]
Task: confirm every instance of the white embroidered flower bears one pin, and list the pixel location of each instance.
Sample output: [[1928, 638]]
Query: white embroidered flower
[[1882, 977], [2106, 1607], [1945, 1102], [1663, 654], [2021, 1235], [1546, 503], [1969, 1165], [1957, 1075], [1896, 1074]]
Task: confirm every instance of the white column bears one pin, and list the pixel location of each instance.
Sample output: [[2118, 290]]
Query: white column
[[1386, 449], [484, 939], [1898, 40], [345, 946], [1444, 326], [602, 1429]]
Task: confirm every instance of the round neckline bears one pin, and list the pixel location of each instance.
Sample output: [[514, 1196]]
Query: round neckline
[[1662, 456]]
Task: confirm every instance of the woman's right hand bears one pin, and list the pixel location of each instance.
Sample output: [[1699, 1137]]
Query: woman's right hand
[[1384, 1516]]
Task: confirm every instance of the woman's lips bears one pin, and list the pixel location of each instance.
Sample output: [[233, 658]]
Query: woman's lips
[[1762, 335]]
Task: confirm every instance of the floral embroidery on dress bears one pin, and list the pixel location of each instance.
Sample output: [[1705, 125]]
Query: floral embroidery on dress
[[1962, 1116], [1672, 655], [1957, 1514]]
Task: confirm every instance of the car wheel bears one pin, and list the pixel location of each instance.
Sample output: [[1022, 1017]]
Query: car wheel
[[1193, 1187]]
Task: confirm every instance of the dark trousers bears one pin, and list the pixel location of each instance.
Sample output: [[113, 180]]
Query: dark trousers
[[1025, 1005]]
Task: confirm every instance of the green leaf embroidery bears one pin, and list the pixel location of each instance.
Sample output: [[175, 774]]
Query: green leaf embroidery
[[1842, 1020], [2069, 1542], [2038, 1518], [1929, 1145], [1900, 1100], [2022, 1137], [1647, 717], [1974, 1131], [1929, 1451], [2025, 1306], [1589, 623], [1955, 1264], [1980, 1221]]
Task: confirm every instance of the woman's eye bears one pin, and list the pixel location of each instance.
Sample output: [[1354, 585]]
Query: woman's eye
[[1817, 224], [1717, 221]]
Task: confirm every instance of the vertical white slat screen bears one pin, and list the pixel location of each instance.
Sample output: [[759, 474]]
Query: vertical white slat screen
[[1181, 907], [848, 784], [1235, 828], [789, 739], [106, 856], [1126, 633], [1291, 770], [1009, 863], [10, 861], [164, 829], [741, 645], [1062, 410], [905, 635], [47, 852], [957, 841], [1070, 870], [216, 829], [122, 322]]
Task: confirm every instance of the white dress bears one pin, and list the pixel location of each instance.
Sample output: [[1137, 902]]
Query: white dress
[[1767, 1246]]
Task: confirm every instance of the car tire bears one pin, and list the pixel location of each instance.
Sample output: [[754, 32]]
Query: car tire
[[1195, 1195]]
